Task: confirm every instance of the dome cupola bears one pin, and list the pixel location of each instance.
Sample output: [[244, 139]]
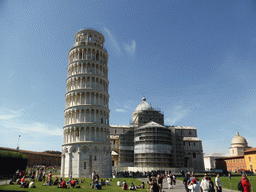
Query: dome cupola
[[144, 106], [238, 141]]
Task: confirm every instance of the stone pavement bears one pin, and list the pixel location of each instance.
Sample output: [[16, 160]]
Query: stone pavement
[[179, 187], [5, 182]]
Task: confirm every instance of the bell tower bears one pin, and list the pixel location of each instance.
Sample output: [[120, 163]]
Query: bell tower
[[86, 146]]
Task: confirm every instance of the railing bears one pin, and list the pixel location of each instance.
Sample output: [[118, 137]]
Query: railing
[[88, 43]]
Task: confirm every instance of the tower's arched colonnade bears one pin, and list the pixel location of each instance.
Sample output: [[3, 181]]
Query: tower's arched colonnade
[[86, 142]]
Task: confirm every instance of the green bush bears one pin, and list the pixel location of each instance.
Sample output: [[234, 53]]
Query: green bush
[[12, 154], [12, 161]]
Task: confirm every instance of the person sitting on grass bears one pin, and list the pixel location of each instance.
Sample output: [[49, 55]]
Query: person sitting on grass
[[26, 185], [56, 181], [92, 185], [63, 185], [18, 182], [22, 181], [82, 181], [77, 182], [118, 183], [107, 182], [73, 183], [132, 187], [142, 185], [32, 184], [11, 182], [124, 185], [97, 185]]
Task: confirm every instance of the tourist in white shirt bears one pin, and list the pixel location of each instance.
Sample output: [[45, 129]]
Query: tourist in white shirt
[[217, 183], [205, 185], [32, 184], [119, 183], [194, 186]]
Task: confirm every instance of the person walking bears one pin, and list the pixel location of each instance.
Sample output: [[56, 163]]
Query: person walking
[[229, 176], [185, 182], [245, 183], [217, 183], [205, 185], [169, 183], [194, 186]]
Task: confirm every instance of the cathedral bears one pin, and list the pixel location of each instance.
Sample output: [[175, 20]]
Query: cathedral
[[147, 144]]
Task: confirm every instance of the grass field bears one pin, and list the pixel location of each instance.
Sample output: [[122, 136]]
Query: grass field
[[232, 184], [86, 185]]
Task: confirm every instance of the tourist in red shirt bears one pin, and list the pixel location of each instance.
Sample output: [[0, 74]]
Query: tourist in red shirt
[[73, 183], [245, 183], [22, 181], [63, 184]]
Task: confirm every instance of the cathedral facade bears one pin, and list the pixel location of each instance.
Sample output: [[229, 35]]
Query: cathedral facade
[[147, 144]]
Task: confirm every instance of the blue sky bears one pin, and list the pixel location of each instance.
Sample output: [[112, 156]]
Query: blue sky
[[195, 60]]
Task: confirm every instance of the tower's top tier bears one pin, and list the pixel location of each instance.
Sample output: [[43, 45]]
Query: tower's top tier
[[89, 36]]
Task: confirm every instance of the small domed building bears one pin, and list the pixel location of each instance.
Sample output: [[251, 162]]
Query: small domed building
[[238, 145], [147, 144]]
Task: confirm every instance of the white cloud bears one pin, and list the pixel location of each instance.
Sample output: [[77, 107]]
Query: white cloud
[[176, 116], [113, 40], [130, 47], [120, 110], [10, 119], [40, 128], [6, 116]]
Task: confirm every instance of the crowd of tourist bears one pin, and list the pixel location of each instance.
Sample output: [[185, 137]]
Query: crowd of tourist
[[155, 183], [192, 184], [136, 174]]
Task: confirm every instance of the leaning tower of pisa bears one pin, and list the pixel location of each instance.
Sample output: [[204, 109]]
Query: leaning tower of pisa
[[86, 145]]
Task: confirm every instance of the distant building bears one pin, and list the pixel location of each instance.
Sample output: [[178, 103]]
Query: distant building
[[250, 159], [209, 160], [241, 156], [238, 146], [147, 144], [38, 158]]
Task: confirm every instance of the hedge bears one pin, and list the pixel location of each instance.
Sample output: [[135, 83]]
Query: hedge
[[11, 162]]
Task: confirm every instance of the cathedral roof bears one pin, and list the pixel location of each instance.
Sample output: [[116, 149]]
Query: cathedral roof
[[191, 139], [238, 140], [217, 155], [151, 124], [144, 106]]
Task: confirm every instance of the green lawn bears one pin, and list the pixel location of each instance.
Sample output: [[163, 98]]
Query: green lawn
[[232, 184], [86, 185]]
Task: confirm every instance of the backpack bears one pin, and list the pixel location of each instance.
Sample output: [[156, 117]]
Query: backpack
[[240, 187], [211, 187]]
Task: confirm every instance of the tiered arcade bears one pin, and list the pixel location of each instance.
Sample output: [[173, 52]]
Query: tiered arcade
[[86, 145]]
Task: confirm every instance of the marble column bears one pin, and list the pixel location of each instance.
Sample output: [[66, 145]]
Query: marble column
[[62, 164], [78, 163], [79, 133], [69, 164]]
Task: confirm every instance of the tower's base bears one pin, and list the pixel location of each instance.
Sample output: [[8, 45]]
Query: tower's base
[[79, 160]]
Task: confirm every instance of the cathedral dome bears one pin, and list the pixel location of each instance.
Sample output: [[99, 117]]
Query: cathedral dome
[[239, 140], [143, 106]]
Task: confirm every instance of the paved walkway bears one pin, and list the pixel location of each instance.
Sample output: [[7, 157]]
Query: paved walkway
[[5, 182], [179, 187]]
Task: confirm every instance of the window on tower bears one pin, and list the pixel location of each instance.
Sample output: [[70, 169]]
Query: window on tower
[[84, 164]]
